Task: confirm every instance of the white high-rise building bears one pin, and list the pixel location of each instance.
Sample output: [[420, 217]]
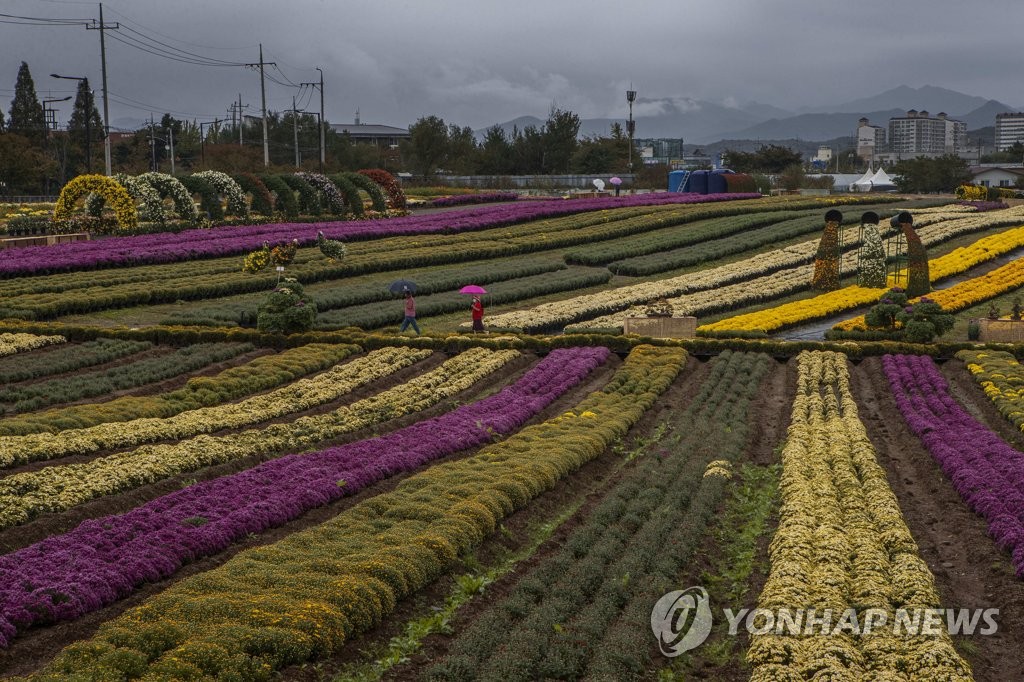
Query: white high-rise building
[[918, 134], [1009, 130]]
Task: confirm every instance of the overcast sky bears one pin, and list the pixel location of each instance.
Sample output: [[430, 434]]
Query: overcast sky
[[479, 62]]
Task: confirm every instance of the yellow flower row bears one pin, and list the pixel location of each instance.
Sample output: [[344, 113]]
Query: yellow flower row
[[976, 290], [20, 343], [296, 397], [842, 543], [57, 488], [1002, 378], [830, 303], [787, 275], [306, 596]]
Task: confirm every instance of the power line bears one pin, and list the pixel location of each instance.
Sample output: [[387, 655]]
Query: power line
[[40, 21], [213, 60], [177, 40], [167, 54]]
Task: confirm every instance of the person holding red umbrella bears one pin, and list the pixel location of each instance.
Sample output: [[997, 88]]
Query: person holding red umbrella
[[478, 314]]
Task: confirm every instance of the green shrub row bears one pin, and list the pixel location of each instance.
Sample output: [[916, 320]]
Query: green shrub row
[[260, 374], [714, 249], [66, 358], [604, 253], [373, 315], [131, 375], [307, 595], [573, 615], [371, 289]]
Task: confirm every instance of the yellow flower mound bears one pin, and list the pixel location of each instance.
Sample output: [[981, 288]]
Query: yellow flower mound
[[116, 195], [1002, 378], [19, 343], [842, 543]]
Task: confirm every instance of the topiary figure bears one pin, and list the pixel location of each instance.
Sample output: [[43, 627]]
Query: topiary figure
[[209, 200], [284, 196], [918, 281], [262, 202], [826, 260], [309, 198], [389, 184], [287, 310], [885, 313], [872, 254], [924, 321], [376, 194], [350, 192]]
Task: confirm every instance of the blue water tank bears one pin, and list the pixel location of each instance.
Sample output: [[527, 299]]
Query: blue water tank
[[697, 182], [676, 180], [717, 183]]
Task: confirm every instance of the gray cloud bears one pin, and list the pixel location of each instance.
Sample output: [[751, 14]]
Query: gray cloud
[[477, 63]]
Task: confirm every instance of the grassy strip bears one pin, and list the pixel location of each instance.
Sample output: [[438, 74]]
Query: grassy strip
[[67, 359], [305, 596], [739, 530], [132, 375], [576, 614]]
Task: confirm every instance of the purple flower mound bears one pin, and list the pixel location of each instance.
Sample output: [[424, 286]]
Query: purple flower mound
[[226, 241], [986, 471], [482, 198], [105, 559]]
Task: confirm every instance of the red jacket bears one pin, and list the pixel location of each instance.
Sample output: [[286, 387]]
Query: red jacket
[[478, 310]]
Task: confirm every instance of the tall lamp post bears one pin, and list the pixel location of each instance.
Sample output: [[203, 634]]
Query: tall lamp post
[[630, 125], [46, 130], [88, 115]]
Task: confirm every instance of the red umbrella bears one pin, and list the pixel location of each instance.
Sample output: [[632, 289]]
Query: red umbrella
[[472, 289]]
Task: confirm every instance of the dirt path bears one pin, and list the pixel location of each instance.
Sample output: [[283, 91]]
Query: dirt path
[[970, 571]]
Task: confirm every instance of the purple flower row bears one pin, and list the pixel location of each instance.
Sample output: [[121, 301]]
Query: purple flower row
[[481, 198], [985, 205], [986, 471], [105, 559], [168, 247]]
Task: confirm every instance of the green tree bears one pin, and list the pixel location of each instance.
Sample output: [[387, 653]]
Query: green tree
[[527, 151], [26, 113], [560, 140], [84, 110], [22, 167], [461, 155], [428, 143], [771, 158], [941, 174], [495, 155]]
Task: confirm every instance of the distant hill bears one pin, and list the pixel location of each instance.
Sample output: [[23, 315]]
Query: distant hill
[[704, 122]]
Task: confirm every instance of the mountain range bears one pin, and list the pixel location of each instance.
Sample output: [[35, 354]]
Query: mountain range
[[703, 122]]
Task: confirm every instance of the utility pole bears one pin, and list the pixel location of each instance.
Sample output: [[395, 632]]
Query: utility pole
[[152, 142], [101, 27], [170, 142], [263, 97], [295, 130], [323, 144]]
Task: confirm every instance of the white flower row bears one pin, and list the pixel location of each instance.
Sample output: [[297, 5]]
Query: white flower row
[[19, 343]]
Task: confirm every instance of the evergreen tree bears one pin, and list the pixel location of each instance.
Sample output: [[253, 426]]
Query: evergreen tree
[[560, 143], [428, 140], [85, 120], [26, 113], [1, 121]]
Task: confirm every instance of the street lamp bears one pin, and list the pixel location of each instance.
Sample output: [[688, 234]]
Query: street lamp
[[46, 131], [88, 115], [630, 125]]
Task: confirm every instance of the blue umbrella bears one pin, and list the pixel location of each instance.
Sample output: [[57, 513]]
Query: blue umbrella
[[401, 286]]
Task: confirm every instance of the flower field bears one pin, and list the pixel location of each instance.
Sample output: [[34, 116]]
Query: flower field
[[185, 495]]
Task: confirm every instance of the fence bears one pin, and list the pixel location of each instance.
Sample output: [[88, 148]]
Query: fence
[[535, 181]]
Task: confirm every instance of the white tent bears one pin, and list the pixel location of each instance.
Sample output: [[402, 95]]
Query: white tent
[[881, 179], [864, 183]]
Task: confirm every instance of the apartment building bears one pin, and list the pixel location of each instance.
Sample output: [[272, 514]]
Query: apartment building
[[1009, 130], [918, 134]]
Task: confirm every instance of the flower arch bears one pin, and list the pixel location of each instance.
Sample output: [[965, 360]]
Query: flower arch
[[390, 185], [209, 200], [169, 186], [151, 208], [112, 191], [335, 202], [224, 185], [350, 192], [284, 200], [377, 198], [262, 201], [309, 200]]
